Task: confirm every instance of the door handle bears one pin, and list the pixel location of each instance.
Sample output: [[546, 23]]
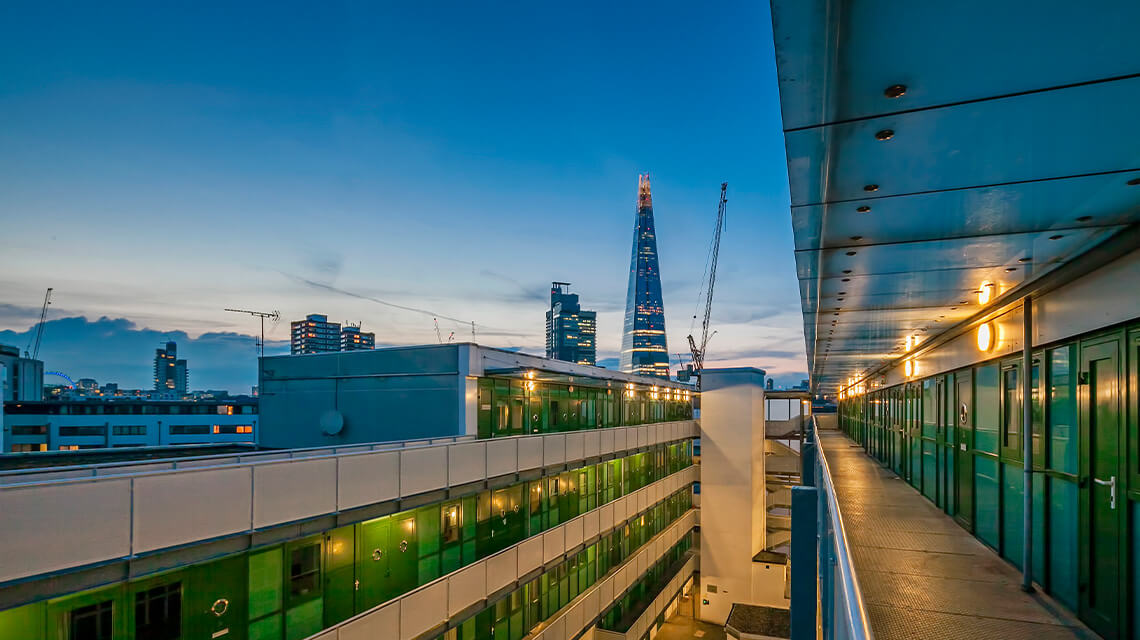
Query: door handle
[[1111, 484]]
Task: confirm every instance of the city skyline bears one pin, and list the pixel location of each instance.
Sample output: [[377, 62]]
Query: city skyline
[[441, 205]]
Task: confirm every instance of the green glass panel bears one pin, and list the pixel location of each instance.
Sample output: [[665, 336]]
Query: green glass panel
[[987, 490], [304, 620], [266, 628], [1064, 447], [24, 622], [1013, 516], [265, 589], [1063, 536], [986, 410]]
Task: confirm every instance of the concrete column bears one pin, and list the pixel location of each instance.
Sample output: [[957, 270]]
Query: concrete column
[[733, 497]]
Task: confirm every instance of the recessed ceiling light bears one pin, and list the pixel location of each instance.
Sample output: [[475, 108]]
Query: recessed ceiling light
[[863, 209], [850, 253], [846, 271], [870, 187], [1025, 259], [895, 91], [953, 308], [964, 302], [856, 238], [1056, 237], [846, 280], [1010, 269], [1133, 182], [885, 134], [1084, 218], [842, 293]]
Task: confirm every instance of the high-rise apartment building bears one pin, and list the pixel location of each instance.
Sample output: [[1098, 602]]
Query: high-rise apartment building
[[570, 331], [314, 334], [643, 347], [170, 373], [353, 339]]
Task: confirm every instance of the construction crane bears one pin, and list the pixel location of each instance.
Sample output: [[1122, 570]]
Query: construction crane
[[35, 352], [274, 315], [698, 349]]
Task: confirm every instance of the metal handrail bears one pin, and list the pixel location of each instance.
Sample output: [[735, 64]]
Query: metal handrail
[[857, 624]]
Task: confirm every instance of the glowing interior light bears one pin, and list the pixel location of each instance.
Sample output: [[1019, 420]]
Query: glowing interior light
[[985, 292], [985, 337], [908, 368]]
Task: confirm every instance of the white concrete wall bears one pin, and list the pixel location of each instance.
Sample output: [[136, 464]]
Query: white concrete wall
[[733, 496]]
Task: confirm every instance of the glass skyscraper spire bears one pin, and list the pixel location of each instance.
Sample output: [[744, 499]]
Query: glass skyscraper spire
[[643, 348]]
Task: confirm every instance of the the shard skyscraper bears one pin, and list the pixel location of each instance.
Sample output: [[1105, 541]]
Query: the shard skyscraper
[[643, 348]]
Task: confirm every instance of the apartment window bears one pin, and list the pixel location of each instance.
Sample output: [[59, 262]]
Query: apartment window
[[26, 448], [29, 430], [92, 622], [158, 613], [449, 528], [189, 429], [232, 428], [99, 430], [305, 570], [129, 430], [1011, 409]]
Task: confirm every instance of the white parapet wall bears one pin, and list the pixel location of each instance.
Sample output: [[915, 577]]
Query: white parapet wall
[[151, 507]]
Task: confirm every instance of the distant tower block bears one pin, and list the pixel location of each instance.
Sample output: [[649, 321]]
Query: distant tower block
[[643, 347]]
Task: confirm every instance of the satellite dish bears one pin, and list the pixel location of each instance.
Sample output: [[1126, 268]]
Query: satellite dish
[[332, 422]]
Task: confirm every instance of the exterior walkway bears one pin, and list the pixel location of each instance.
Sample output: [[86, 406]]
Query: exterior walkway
[[922, 575]]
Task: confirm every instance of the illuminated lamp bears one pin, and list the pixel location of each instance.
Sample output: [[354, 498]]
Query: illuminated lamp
[[908, 368], [985, 335], [985, 292]]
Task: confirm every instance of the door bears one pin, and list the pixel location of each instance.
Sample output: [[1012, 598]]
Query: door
[[340, 575], [1102, 498], [964, 449]]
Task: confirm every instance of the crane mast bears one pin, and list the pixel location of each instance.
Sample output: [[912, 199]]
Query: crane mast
[[698, 349], [35, 351]]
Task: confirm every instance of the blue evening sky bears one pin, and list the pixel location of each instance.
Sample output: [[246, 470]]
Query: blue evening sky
[[161, 161]]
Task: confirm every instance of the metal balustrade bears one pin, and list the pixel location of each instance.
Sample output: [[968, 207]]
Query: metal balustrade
[[823, 571]]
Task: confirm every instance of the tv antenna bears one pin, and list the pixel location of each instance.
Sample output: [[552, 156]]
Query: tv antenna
[[274, 315]]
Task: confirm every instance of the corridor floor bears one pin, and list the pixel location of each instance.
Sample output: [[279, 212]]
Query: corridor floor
[[921, 574]]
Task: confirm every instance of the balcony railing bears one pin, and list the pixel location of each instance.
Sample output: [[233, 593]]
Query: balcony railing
[[822, 568]]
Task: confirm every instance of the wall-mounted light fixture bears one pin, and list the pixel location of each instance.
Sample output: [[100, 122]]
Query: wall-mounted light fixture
[[908, 368], [985, 293], [985, 335]]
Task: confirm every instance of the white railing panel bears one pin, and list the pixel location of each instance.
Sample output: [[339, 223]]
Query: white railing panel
[[575, 446], [530, 453], [179, 508], [502, 456], [553, 450], [529, 555], [466, 463], [294, 490], [423, 609], [553, 544], [57, 527], [368, 478], [466, 587], [422, 469]]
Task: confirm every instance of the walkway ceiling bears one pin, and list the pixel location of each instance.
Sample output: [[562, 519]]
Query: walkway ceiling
[[934, 146]]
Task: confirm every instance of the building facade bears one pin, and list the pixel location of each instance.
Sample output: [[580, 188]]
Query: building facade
[[314, 334], [643, 347], [23, 378], [170, 373], [571, 333], [497, 534], [353, 339], [91, 423]]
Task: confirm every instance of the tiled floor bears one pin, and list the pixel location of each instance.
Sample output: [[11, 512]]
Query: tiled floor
[[922, 575]]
